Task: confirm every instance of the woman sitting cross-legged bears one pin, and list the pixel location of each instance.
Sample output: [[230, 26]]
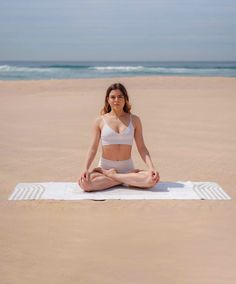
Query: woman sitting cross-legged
[[116, 127]]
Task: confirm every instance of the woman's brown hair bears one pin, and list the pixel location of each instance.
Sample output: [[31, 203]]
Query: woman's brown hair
[[116, 86]]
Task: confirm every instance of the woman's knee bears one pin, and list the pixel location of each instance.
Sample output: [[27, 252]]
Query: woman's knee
[[87, 188], [151, 182], [91, 183], [86, 184]]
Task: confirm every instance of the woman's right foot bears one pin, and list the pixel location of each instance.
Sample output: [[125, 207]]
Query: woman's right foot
[[108, 173], [98, 170]]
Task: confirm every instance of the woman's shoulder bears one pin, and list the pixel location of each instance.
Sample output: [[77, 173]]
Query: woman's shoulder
[[99, 121], [134, 116], [135, 119]]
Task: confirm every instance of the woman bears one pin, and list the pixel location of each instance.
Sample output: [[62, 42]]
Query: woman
[[116, 127]]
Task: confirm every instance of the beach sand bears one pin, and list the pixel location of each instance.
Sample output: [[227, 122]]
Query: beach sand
[[189, 129]]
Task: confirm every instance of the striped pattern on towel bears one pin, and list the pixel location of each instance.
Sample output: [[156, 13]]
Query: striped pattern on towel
[[163, 190]]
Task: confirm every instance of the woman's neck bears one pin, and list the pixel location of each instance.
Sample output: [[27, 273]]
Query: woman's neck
[[117, 113]]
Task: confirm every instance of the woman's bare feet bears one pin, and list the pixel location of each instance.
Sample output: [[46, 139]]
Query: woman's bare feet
[[109, 173], [98, 170]]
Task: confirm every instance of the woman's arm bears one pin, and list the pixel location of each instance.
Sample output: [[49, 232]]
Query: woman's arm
[[96, 134], [142, 149]]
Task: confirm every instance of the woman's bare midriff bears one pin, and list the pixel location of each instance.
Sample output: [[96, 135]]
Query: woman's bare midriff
[[117, 152]]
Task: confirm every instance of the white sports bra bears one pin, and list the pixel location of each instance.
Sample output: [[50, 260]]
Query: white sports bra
[[110, 136]]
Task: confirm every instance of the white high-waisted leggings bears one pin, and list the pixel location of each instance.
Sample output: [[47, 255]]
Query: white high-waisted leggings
[[123, 166]]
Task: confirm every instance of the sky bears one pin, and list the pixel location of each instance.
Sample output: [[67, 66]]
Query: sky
[[116, 30]]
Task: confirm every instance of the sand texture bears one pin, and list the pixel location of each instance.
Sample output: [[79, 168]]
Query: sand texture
[[189, 128]]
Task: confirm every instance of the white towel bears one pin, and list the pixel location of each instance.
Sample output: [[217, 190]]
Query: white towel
[[163, 190]]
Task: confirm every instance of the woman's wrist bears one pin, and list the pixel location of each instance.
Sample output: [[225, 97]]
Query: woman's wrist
[[151, 167]]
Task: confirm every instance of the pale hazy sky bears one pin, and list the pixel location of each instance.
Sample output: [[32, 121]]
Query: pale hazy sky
[[118, 30]]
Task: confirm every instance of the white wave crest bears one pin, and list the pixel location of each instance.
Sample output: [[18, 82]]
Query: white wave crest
[[8, 68], [117, 68]]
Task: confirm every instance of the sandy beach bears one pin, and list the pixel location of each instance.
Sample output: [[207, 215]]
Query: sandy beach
[[189, 129]]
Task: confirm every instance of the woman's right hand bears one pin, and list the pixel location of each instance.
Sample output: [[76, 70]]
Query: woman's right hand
[[84, 175]]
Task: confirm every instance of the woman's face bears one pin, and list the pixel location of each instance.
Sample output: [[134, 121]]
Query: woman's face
[[116, 99]]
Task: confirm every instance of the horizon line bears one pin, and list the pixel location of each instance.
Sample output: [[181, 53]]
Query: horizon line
[[76, 60]]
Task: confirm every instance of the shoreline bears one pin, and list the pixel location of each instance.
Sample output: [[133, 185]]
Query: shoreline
[[125, 77]]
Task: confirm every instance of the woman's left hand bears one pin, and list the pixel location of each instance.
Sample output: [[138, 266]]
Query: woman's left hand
[[155, 174]]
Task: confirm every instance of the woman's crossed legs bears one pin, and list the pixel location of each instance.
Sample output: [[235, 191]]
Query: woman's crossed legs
[[100, 179]]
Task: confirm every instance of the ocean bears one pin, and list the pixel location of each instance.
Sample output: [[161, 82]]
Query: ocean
[[47, 70]]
